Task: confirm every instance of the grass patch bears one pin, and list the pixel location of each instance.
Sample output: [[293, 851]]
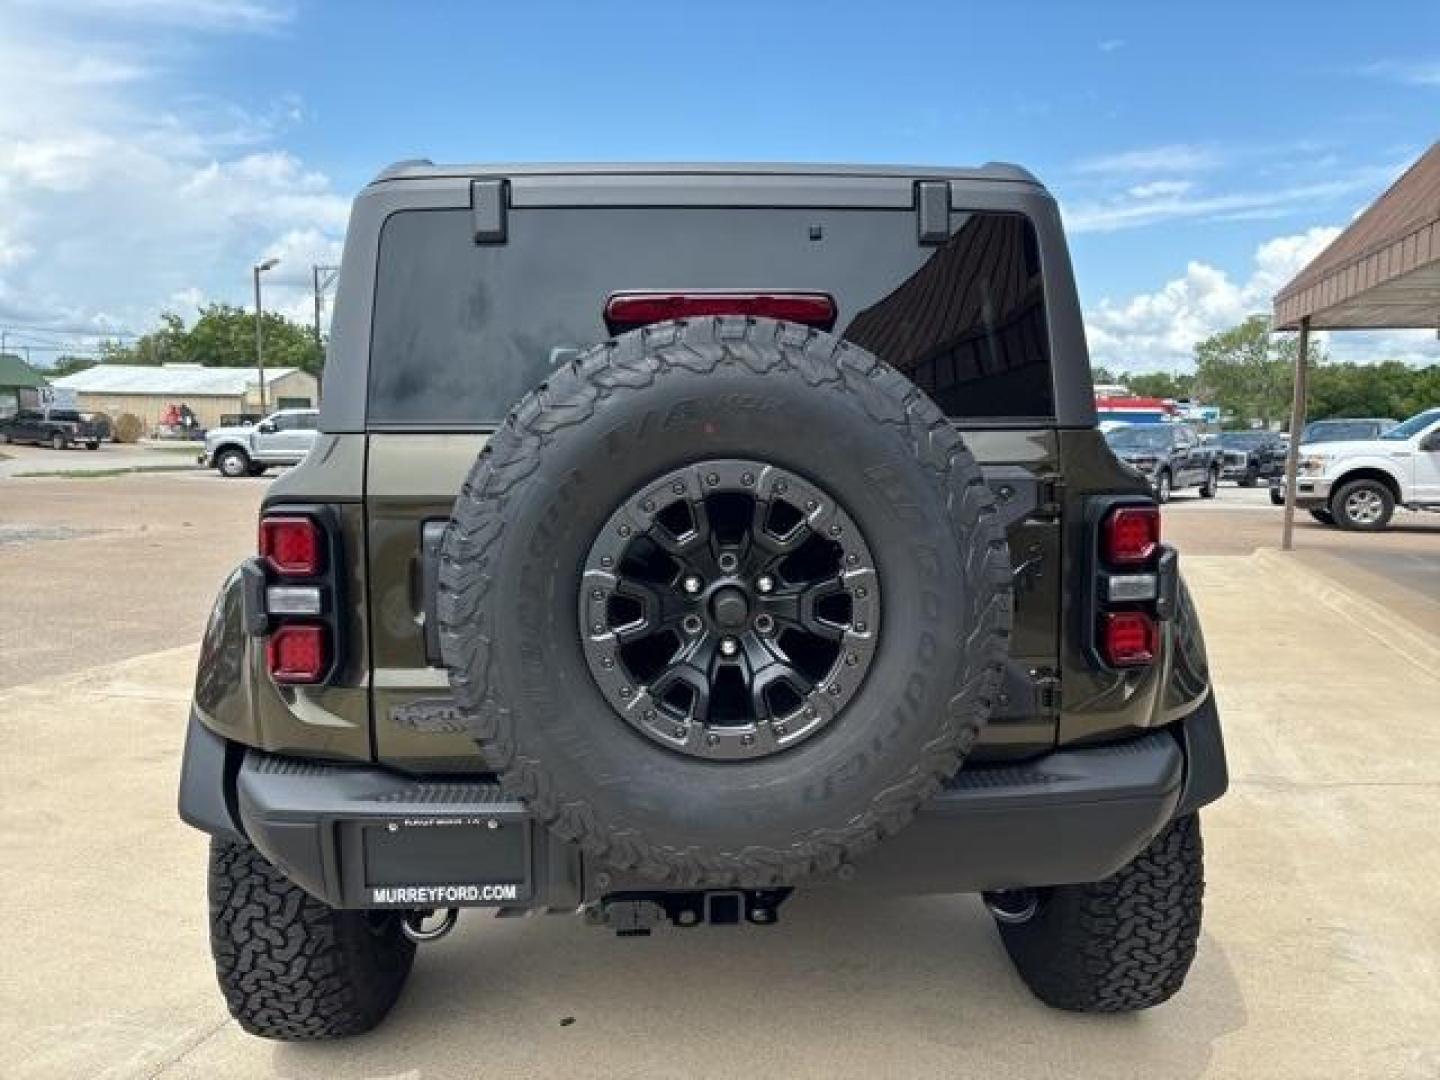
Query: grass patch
[[100, 474]]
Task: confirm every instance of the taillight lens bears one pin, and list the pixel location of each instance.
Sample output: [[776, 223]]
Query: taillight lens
[[626, 311], [1128, 638], [291, 545], [1131, 535], [297, 653]]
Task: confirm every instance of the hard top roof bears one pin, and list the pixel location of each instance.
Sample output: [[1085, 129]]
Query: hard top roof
[[423, 168]]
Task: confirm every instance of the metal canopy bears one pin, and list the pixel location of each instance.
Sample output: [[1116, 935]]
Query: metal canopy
[[1383, 272]]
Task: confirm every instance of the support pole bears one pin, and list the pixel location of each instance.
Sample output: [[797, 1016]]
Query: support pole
[[1297, 425]]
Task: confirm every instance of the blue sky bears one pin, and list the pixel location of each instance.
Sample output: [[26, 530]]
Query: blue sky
[[151, 149]]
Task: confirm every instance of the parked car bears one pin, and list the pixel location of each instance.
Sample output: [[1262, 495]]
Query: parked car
[[1357, 484], [1171, 456], [1247, 457], [60, 428], [282, 438], [672, 585], [1344, 429]]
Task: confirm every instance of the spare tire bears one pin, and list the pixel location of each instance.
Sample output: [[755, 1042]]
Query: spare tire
[[725, 601]]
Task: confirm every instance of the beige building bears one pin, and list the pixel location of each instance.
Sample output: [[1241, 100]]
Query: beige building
[[210, 392]]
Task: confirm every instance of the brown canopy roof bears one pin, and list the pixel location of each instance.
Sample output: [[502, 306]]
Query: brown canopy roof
[[1381, 272]]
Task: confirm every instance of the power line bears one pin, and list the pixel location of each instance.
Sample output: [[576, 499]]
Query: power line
[[75, 331]]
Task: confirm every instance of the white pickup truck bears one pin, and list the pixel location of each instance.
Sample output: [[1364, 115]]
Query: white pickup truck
[[1357, 485], [282, 438]]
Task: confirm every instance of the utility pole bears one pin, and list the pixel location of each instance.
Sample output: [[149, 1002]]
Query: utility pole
[[259, 269], [322, 277]]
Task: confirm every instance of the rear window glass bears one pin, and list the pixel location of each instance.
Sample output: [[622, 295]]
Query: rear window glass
[[462, 330]]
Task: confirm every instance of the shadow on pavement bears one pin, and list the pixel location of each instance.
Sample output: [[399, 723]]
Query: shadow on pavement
[[843, 986]]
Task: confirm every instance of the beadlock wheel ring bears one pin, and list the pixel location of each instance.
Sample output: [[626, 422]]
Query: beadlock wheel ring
[[729, 610]]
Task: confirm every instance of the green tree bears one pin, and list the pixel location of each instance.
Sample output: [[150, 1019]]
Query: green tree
[[1160, 384], [68, 365], [223, 336], [1385, 389], [1248, 372]]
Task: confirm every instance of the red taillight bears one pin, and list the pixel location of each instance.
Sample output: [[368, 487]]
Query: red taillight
[[291, 545], [297, 653], [1128, 638], [626, 311], [1131, 535]]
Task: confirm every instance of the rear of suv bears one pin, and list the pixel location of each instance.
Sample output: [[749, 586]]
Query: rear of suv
[[680, 536]]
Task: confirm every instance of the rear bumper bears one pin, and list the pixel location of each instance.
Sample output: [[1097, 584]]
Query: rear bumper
[[362, 836]]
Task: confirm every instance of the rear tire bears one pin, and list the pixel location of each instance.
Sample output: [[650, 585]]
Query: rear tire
[[292, 967], [232, 463], [92, 446], [1363, 506], [1121, 944], [1211, 485], [1277, 496]]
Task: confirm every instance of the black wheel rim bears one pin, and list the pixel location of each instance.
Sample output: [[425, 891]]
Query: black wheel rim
[[729, 610]]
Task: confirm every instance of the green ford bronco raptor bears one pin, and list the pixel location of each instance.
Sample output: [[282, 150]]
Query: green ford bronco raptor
[[679, 536]]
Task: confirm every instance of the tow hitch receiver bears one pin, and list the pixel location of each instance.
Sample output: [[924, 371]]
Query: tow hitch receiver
[[635, 914]]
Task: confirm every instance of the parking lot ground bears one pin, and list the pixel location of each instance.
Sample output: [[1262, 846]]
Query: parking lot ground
[[1320, 956], [95, 570], [22, 461]]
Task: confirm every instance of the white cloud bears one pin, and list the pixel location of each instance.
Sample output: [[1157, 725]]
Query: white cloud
[[247, 15], [1157, 331], [1170, 200], [1159, 189], [123, 194], [1173, 158], [1110, 45], [1405, 72]]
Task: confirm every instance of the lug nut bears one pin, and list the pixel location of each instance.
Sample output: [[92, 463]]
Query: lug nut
[[764, 623], [764, 584], [692, 584], [691, 624], [729, 646]]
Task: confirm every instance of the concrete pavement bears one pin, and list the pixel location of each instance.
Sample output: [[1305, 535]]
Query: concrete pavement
[[1320, 958]]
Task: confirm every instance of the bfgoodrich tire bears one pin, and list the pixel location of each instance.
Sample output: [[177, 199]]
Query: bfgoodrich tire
[[1121, 944], [291, 967], [582, 458]]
